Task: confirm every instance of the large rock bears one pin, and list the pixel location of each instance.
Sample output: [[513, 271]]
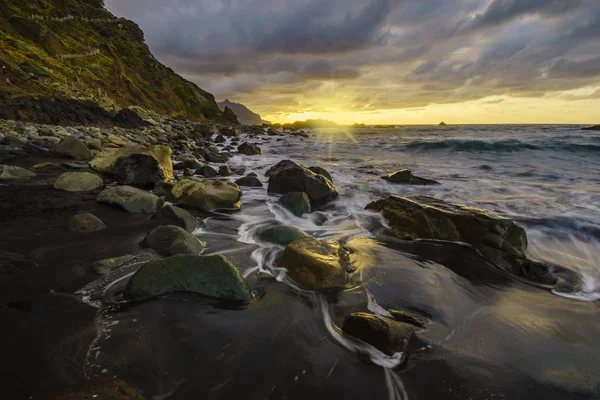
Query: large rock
[[406, 177], [74, 148], [170, 240], [214, 276], [85, 223], [249, 149], [287, 176], [249, 181], [321, 171], [14, 172], [281, 235], [105, 161], [207, 171], [78, 182], [315, 264], [297, 203], [108, 264], [130, 199], [176, 216], [206, 194], [499, 239], [138, 170], [385, 334]]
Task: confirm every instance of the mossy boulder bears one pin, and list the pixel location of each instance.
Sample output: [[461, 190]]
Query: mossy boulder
[[214, 276], [104, 162], [206, 194], [14, 172], [74, 148], [78, 182], [105, 266], [85, 223], [297, 203], [287, 176], [385, 334], [406, 177], [130, 199], [316, 264], [170, 240], [281, 235], [176, 216]]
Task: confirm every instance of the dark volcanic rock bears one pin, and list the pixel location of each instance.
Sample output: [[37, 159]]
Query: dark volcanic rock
[[249, 181], [170, 240], [224, 170], [249, 149], [287, 176], [385, 334], [176, 216], [128, 118], [138, 170], [405, 176], [321, 171], [207, 171]]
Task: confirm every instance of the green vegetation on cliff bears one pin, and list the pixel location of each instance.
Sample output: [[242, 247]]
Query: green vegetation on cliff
[[77, 49]]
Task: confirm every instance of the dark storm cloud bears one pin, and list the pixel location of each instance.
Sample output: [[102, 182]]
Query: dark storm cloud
[[376, 53]]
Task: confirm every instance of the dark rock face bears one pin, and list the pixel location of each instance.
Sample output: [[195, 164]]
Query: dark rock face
[[287, 176], [385, 334], [405, 176], [500, 240], [297, 203], [249, 181], [138, 170], [127, 118], [244, 115], [229, 116], [249, 149], [321, 171], [591, 128]]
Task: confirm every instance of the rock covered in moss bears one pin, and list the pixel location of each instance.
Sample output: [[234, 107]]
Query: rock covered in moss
[[78, 182], [281, 235], [108, 264], [170, 240], [85, 223], [14, 172], [130, 199], [214, 276], [206, 194], [176, 216], [297, 203]]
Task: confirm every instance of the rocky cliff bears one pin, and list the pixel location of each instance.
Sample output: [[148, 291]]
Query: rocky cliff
[[245, 115], [76, 49]]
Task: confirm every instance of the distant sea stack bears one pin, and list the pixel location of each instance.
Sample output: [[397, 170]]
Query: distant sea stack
[[245, 115], [443, 123], [591, 128]]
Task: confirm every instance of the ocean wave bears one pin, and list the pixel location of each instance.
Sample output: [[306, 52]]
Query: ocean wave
[[500, 146]]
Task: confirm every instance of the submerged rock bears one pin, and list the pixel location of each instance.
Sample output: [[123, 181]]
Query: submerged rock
[[177, 216], [315, 264], [14, 172], [287, 176], [214, 276], [206, 194], [406, 177], [130, 199], [385, 334], [297, 203], [105, 266], [105, 161], [170, 240], [249, 181], [499, 239], [281, 235], [138, 170], [74, 148], [78, 182], [85, 223], [249, 149]]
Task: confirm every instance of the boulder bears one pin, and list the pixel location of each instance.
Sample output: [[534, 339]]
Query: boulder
[[207, 171], [220, 139], [105, 161], [163, 188], [281, 235], [14, 172], [249, 149], [191, 163], [315, 264], [215, 157], [176, 216], [78, 182], [85, 223], [224, 170], [105, 266], [287, 176], [405, 176], [499, 239], [170, 240], [206, 194], [130, 199], [74, 148], [297, 203], [249, 181], [409, 318], [214, 276], [385, 334], [321, 171], [138, 170]]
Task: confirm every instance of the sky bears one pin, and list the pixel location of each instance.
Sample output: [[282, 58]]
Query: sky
[[385, 61]]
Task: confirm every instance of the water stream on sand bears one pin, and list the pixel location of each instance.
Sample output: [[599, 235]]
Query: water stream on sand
[[491, 336]]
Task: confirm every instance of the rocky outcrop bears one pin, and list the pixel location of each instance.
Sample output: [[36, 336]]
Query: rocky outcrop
[[140, 170], [85, 223], [104, 162], [74, 148], [14, 172], [130, 199], [406, 177], [244, 115], [281, 235], [591, 128], [316, 264], [385, 334], [287, 176], [297, 203], [500, 240], [170, 240], [206, 194], [249, 149], [442, 124], [214, 276], [78, 182], [176, 216]]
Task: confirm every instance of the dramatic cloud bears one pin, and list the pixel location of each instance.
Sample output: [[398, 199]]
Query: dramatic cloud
[[298, 56]]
